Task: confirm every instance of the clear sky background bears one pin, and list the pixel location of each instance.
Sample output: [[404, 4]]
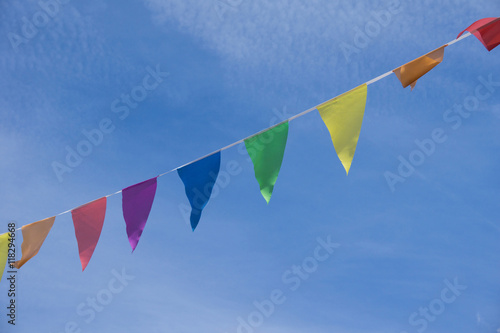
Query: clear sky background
[[235, 66]]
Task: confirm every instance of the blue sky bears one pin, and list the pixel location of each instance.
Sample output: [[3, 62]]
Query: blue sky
[[234, 66]]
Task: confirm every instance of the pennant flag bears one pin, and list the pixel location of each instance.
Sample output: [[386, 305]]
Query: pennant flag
[[199, 179], [4, 252], [88, 221], [266, 151], [487, 30], [137, 201], [343, 117], [409, 73], [34, 235]]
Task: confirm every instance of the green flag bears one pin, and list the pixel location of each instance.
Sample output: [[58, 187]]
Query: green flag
[[266, 151]]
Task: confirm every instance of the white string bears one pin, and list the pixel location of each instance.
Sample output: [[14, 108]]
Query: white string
[[378, 78], [459, 39]]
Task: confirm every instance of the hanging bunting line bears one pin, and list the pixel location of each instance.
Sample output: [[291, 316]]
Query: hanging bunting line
[[303, 113], [343, 116]]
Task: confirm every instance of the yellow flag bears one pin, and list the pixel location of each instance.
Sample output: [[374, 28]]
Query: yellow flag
[[34, 235], [409, 73], [343, 117], [4, 249]]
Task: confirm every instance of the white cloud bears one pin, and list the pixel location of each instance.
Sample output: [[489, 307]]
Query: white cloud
[[286, 34], [287, 31], [297, 42]]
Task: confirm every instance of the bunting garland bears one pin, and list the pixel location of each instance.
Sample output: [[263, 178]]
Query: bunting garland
[[199, 179], [4, 252], [88, 221], [266, 151], [342, 115]]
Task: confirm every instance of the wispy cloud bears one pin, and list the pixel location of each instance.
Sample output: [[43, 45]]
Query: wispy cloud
[[295, 35]]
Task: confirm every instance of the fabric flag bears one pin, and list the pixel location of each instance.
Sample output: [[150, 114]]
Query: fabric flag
[[199, 179], [343, 117], [409, 73], [266, 151], [487, 30], [137, 201], [34, 235], [4, 252], [88, 221]]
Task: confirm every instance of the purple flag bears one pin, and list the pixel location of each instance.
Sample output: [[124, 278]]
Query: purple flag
[[136, 203]]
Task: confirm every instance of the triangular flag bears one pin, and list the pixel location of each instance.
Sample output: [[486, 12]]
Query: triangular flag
[[88, 221], [266, 151], [137, 201], [487, 30], [343, 117], [199, 179], [34, 235], [4, 252], [409, 73]]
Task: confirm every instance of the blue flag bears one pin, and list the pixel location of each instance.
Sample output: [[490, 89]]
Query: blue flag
[[199, 179]]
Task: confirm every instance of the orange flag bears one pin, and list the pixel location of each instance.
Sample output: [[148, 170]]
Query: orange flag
[[409, 73], [88, 221], [34, 235]]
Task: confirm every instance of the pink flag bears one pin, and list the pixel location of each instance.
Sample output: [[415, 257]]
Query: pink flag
[[137, 201], [88, 221]]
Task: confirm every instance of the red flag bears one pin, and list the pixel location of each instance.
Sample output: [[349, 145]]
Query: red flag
[[487, 30], [88, 221]]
